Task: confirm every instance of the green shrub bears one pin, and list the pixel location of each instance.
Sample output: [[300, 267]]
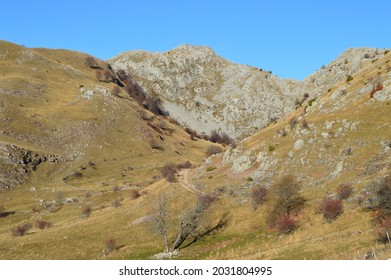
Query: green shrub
[[349, 78]]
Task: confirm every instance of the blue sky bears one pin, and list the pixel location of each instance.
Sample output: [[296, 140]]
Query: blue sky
[[290, 38]]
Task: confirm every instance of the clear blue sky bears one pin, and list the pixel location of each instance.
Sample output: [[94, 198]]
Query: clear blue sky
[[290, 38]]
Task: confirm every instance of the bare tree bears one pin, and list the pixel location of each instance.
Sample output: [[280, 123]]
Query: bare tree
[[159, 219], [191, 221]]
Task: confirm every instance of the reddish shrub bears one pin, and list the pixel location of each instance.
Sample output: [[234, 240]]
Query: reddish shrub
[[384, 231], [134, 194], [41, 224], [344, 191], [376, 88], [258, 196], [285, 224], [331, 208], [21, 229], [168, 172]]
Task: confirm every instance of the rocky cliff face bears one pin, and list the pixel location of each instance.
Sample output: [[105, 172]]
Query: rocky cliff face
[[205, 92]]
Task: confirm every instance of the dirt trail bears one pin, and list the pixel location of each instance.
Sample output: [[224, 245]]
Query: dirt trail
[[184, 181]]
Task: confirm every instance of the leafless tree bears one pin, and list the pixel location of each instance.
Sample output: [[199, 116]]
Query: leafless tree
[[160, 220]]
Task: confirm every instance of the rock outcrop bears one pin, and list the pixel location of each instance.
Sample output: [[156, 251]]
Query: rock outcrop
[[205, 92]]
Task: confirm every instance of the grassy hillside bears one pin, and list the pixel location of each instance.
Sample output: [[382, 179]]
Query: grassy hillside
[[52, 106], [89, 162]]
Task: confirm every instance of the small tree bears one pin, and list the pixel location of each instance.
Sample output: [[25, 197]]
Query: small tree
[[159, 219], [41, 224], [287, 200]]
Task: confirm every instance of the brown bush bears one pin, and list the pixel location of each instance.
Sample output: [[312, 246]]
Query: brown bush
[[86, 211], [184, 165], [214, 136], [331, 208], [116, 91], [168, 172], [91, 63], [134, 194], [205, 200], [344, 191], [21, 229], [110, 245], [116, 203], [122, 75], [212, 150], [285, 223], [258, 196], [41, 224]]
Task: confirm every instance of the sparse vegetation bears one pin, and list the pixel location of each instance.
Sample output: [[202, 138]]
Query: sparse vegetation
[[134, 194], [116, 203], [21, 230]]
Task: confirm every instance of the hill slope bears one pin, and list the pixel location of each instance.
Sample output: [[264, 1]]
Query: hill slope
[[79, 153]]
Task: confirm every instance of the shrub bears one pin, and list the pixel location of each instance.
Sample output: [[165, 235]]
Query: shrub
[[349, 78], [258, 196], [293, 122], [331, 208], [41, 224], [272, 148], [116, 203], [287, 201], [250, 179], [91, 63], [212, 150], [310, 102], [156, 145], [86, 211], [110, 245], [116, 91], [205, 200], [184, 165], [384, 231], [379, 198], [375, 88], [21, 229], [285, 224], [168, 172], [344, 191], [211, 168], [134, 194], [214, 136], [122, 75]]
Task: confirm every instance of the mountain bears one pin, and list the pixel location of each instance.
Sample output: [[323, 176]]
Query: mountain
[[205, 92], [91, 167]]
